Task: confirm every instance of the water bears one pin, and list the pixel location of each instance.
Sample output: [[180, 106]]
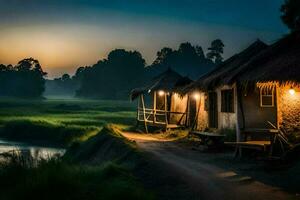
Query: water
[[36, 152]]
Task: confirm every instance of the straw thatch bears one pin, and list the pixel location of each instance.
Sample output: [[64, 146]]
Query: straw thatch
[[220, 75], [168, 81], [279, 63]]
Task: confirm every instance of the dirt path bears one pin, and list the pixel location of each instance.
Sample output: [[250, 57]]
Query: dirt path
[[205, 180]]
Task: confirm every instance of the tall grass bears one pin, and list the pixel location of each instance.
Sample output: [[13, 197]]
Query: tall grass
[[60, 121], [26, 130], [57, 179], [95, 171]]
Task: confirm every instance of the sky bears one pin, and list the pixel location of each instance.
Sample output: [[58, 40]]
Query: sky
[[66, 34]]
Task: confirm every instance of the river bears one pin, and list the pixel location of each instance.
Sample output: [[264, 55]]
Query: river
[[36, 152]]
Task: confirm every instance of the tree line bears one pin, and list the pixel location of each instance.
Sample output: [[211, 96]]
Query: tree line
[[114, 76]]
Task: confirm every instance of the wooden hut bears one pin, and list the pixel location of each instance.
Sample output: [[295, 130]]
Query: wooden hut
[[159, 104], [256, 92], [217, 99]]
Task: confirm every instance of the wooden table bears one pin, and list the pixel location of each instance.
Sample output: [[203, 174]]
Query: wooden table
[[208, 137]]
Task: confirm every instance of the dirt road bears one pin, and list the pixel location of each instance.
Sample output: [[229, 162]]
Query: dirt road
[[202, 178]]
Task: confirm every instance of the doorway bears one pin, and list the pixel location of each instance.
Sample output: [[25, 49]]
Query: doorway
[[213, 110]]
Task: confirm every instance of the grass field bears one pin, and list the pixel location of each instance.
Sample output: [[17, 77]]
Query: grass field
[[79, 126], [61, 121], [74, 176]]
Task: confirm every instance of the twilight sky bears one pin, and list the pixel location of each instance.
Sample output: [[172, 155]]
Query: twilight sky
[[66, 34]]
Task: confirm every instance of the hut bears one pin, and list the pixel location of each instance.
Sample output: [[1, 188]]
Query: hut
[[159, 104], [256, 92], [216, 98]]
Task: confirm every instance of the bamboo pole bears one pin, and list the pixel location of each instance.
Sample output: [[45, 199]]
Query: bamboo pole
[[277, 107], [144, 114], [187, 111], [138, 108], [238, 105], [166, 115], [154, 108]]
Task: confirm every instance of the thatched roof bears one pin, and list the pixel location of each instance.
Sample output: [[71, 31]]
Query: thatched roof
[[279, 63], [220, 75], [168, 81]]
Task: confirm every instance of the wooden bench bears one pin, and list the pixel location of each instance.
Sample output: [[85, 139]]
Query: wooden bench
[[260, 139]]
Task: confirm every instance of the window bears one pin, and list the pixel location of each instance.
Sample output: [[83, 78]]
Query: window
[[267, 97], [227, 101]]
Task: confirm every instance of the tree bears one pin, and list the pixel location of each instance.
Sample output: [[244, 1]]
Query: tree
[[26, 79], [291, 14], [30, 64], [187, 49], [188, 60], [163, 55], [2, 68], [114, 77], [65, 77], [30, 81], [200, 52], [215, 51]]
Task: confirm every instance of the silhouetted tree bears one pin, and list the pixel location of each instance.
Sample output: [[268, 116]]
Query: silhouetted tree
[[187, 49], [65, 77], [187, 60], [200, 52], [26, 79], [215, 51], [114, 77], [291, 14], [163, 55]]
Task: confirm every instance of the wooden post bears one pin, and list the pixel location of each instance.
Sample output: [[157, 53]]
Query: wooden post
[[144, 113], [166, 110], [187, 111], [138, 109], [154, 108], [238, 150], [278, 116]]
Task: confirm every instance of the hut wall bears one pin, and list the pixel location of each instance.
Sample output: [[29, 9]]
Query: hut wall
[[178, 104], [289, 109], [255, 115], [226, 120], [201, 112]]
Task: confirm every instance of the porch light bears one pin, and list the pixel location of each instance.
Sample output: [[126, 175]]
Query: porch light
[[291, 91], [161, 92], [196, 95]]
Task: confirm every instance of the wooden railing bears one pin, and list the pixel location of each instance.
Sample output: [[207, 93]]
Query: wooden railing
[[156, 116]]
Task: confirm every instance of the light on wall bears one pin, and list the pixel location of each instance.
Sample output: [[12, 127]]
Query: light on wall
[[292, 91], [161, 92], [196, 95]]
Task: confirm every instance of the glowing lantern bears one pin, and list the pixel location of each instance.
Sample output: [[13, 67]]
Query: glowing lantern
[[196, 95], [292, 91], [161, 93]]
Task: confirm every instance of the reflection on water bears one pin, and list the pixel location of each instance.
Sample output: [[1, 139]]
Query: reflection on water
[[36, 152]]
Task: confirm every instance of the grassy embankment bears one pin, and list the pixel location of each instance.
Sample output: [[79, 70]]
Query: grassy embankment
[[60, 122], [99, 168], [99, 163]]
